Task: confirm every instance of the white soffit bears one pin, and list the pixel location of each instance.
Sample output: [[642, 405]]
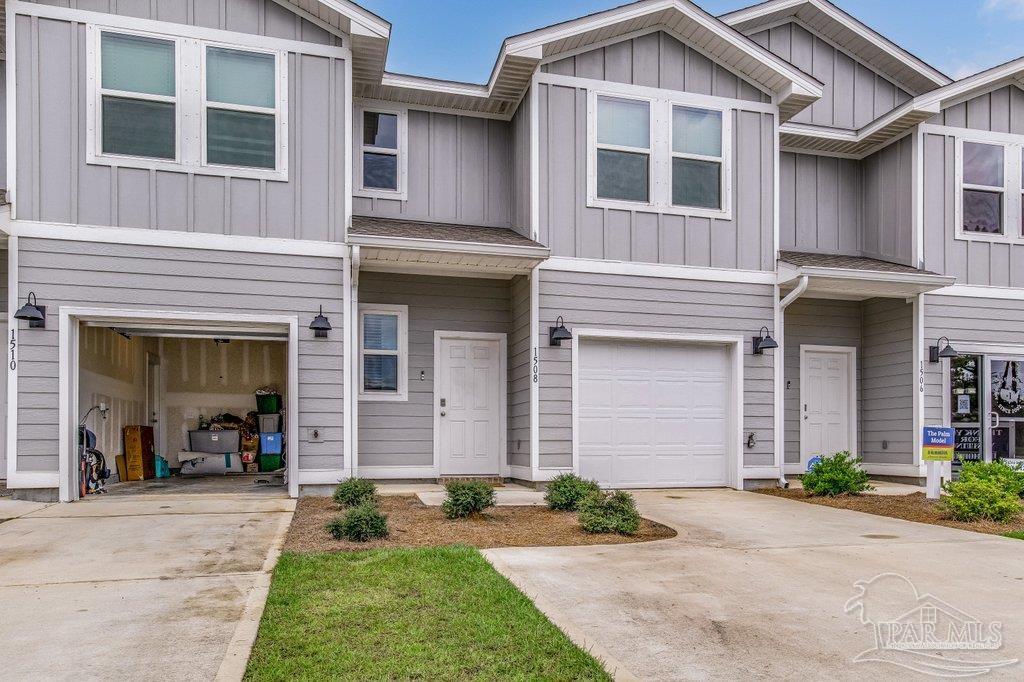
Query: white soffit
[[519, 56], [835, 25], [369, 33]]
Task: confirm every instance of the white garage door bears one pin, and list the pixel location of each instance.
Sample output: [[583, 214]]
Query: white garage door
[[654, 414]]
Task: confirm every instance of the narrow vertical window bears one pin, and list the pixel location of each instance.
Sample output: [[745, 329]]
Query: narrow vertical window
[[241, 108], [983, 191], [138, 96], [380, 151], [383, 332], [623, 149], [697, 159]]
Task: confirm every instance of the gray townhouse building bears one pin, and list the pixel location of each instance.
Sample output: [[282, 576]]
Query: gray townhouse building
[[657, 247]]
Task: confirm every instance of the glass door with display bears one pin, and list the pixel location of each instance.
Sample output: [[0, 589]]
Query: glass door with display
[[966, 405], [1004, 408]]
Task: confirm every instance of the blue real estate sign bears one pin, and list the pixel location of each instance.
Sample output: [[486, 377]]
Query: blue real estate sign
[[937, 444]]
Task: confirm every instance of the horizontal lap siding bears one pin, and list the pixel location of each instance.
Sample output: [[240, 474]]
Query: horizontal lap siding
[[811, 321], [67, 273], [519, 373], [459, 171], [854, 94], [573, 229], [57, 185], [965, 321], [651, 304], [820, 204], [887, 382], [402, 433]]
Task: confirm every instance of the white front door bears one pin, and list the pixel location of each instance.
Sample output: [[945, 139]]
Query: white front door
[[827, 402], [469, 398]]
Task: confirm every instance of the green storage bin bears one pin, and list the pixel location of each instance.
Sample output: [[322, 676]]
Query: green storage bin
[[271, 402], [270, 462]]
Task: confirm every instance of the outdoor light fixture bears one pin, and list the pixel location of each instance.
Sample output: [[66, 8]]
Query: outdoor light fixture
[[558, 333], [939, 351], [32, 312], [763, 342], [320, 325]]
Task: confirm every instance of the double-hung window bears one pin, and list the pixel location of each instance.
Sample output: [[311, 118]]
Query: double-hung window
[[990, 189], [175, 103], [383, 352], [380, 161], [660, 154]]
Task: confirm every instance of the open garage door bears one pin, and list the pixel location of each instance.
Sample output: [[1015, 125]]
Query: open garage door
[[655, 414]]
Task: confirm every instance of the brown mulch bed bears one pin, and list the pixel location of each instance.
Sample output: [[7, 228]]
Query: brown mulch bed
[[413, 524], [914, 507]]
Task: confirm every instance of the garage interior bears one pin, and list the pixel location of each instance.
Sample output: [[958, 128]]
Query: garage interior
[[180, 410]]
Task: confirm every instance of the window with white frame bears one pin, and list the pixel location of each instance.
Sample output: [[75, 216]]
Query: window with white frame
[[383, 352], [168, 103], [631, 163], [381, 160], [990, 192]]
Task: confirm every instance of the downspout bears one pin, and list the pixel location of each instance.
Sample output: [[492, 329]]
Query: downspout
[[780, 332]]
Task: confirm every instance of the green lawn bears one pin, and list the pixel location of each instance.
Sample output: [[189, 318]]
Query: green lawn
[[1015, 534], [435, 613]]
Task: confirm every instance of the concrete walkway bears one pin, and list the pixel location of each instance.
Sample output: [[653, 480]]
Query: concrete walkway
[[144, 587], [756, 587]]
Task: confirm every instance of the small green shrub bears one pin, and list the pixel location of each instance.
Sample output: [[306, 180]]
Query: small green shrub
[[467, 497], [565, 491], [976, 499], [1002, 474], [839, 474], [359, 524], [601, 512], [353, 492]]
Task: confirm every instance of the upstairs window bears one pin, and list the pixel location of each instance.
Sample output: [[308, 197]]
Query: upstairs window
[[383, 351], [138, 96], [984, 188], [664, 155], [177, 104], [380, 161]]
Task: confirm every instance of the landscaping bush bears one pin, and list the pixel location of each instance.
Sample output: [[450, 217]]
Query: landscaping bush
[[601, 512], [360, 524], [566, 491], [1002, 474], [353, 492], [467, 497], [976, 498], [839, 474]]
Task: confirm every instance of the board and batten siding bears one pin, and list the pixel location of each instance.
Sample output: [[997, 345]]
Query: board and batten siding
[[854, 94], [820, 204], [998, 111], [657, 60], [401, 433], [459, 171], [651, 304], [887, 382], [888, 207], [522, 153], [55, 184], [820, 322], [519, 375], [572, 229], [113, 276]]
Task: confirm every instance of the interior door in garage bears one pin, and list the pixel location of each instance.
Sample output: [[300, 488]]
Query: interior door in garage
[[654, 414]]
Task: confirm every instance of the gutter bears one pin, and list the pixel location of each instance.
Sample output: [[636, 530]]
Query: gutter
[[780, 331]]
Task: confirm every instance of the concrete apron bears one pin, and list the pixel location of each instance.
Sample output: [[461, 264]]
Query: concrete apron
[[137, 587], [758, 587]]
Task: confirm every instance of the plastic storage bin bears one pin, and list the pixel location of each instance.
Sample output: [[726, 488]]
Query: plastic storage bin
[[271, 402], [270, 462], [270, 444], [214, 442], [270, 423], [163, 469]]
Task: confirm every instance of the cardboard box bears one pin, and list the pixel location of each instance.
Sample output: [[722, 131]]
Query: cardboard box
[[252, 467]]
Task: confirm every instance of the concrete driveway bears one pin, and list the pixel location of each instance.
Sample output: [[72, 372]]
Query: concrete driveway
[[143, 587], [756, 587]]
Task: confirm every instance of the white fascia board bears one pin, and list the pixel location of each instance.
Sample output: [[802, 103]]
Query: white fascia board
[[401, 80], [363, 21], [475, 248], [611, 267], [938, 281], [910, 113]]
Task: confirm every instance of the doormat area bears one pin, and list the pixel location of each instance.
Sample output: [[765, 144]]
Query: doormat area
[[413, 524], [914, 507]]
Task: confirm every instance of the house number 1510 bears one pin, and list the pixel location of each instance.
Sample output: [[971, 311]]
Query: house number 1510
[[14, 345]]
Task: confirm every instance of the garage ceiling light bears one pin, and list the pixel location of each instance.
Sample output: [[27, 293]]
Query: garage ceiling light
[[764, 342], [32, 312], [320, 325]]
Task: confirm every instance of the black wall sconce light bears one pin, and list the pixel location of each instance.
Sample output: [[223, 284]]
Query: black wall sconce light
[[763, 342], [32, 312], [942, 350], [558, 333], [320, 325]]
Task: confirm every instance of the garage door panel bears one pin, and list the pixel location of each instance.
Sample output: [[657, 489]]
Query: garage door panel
[[654, 414]]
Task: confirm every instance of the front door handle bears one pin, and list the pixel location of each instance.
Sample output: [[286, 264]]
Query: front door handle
[[994, 420], [442, 413]]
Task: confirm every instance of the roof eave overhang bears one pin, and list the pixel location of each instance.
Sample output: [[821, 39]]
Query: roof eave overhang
[[862, 284], [534, 253], [862, 142]]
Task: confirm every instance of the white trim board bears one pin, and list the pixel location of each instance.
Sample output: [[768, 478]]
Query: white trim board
[[611, 267], [853, 408], [735, 345]]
